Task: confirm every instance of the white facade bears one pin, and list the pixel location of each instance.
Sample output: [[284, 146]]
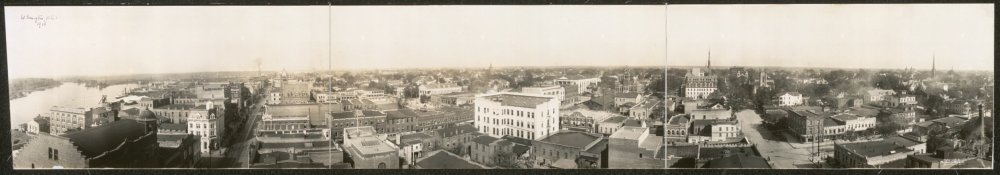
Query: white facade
[[274, 98], [32, 127], [790, 99], [555, 90], [699, 92], [428, 90], [720, 132], [522, 115], [879, 94], [206, 125], [582, 85], [860, 123]]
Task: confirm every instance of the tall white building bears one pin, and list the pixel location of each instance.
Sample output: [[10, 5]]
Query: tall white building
[[555, 90], [207, 123], [521, 115]]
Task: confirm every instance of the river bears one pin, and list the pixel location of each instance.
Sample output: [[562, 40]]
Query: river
[[68, 94]]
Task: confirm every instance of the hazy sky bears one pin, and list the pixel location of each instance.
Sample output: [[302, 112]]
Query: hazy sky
[[853, 36], [130, 40]]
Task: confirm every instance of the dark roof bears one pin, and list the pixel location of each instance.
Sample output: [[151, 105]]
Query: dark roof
[[456, 130], [678, 119], [520, 149], [573, 139], [171, 137], [874, 148], [517, 140], [633, 123], [398, 114], [342, 115], [176, 106], [95, 141], [683, 151], [484, 139], [830, 122], [615, 119], [446, 160], [738, 161], [719, 152], [131, 111], [599, 147]]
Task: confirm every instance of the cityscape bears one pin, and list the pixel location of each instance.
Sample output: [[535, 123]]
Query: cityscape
[[819, 95], [475, 105], [502, 87]]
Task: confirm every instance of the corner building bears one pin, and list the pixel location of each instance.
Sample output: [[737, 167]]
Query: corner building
[[521, 115]]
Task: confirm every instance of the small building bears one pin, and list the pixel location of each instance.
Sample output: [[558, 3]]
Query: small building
[[871, 154], [585, 149], [635, 148], [441, 159], [121, 144], [366, 150], [610, 125], [790, 99]]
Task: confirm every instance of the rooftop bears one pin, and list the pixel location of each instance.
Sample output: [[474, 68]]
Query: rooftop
[[615, 119], [456, 130], [738, 161], [97, 140], [573, 139], [875, 148], [519, 99], [446, 160], [484, 139]]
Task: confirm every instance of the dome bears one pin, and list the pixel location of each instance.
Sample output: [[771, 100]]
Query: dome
[[146, 115]]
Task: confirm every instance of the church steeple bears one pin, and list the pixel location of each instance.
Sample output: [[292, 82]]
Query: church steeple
[[933, 64], [709, 66]]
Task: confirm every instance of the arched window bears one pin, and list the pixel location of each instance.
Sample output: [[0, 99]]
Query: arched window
[[381, 165]]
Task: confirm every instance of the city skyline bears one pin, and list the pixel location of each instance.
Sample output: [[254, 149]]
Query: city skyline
[[136, 40], [878, 36]]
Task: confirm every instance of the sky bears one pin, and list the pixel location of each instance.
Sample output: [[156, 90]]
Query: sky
[[959, 36], [96, 41]]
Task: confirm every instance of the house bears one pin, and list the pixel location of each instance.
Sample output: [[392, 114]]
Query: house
[[790, 99]]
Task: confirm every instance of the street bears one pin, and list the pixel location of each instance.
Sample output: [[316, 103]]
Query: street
[[236, 156], [781, 154]]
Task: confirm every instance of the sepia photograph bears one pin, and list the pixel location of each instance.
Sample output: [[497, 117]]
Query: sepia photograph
[[830, 86], [343, 87]]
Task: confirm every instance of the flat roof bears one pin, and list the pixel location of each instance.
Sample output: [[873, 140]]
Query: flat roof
[[875, 148], [573, 139], [519, 99]]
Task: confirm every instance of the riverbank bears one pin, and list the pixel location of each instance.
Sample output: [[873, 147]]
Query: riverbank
[[22, 87]]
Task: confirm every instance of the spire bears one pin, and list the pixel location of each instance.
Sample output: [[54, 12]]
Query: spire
[[709, 66], [933, 64]]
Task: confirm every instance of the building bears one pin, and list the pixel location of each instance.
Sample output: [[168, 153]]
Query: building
[[400, 121], [38, 125], [455, 138], [121, 144], [677, 128], [294, 92], [871, 154], [878, 95], [625, 98], [699, 85], [300, 148], [583, 84], [714, 130], [635, 148], [521, 115], [176, 113], [709, 112], [900, 100], [316, 112], [454, 99], [207, 123], [553, 90], [586, 150], [271, 124], [790, 99], [738, 161], [854, 122], [611, 125], [436, 89], [414, 146], [366, 150], [941, 158], [492, 151], [446, 160], [808, 124], [177, 150], [338, 121], [64, 119], [644, 110]]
